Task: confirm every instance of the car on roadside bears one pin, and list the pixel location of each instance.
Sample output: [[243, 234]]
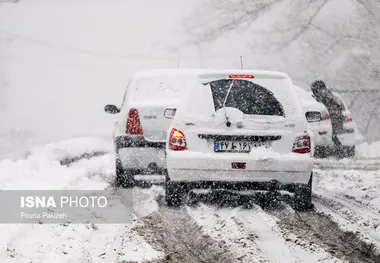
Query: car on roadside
[[240, 130], [145, 114], [319, 122]]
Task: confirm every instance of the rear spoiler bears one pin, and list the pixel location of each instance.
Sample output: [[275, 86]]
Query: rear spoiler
[[256, 75]]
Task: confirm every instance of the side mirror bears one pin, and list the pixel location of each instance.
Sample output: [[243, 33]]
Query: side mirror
[[111, 109], [169, 113], [313, 116]]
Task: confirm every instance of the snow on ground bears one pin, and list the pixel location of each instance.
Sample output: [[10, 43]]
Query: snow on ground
[[41, 169], [254, 234], [366, 150], [352, 197]]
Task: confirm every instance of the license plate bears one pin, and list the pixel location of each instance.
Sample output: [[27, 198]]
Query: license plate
[[237, 146]]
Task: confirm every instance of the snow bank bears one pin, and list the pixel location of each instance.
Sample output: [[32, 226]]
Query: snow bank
[[42, 169], [362, 186], [366, 150], [72, 147]]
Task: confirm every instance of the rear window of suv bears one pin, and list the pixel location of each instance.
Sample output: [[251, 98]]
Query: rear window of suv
[[246, 96]]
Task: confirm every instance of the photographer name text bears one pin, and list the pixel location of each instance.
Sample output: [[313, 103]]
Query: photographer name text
[[43, 215]]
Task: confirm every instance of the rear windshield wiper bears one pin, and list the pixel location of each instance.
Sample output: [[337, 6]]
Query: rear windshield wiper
[[228, 123]]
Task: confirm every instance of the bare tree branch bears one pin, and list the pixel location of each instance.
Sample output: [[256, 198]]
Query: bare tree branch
[[246, 16], [306, 27]]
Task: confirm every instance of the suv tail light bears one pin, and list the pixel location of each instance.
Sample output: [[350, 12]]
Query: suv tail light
[[348, 117], [302, 144], [177, 140], [133, 122]]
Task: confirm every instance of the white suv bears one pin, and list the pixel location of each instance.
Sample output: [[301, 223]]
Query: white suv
[[145, 115], [240, 130]]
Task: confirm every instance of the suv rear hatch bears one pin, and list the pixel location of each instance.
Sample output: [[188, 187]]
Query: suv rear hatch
[[238, 114]]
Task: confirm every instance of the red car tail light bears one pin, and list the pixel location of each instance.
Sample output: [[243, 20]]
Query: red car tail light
[[325, 116], [133, 122], [302, 144], [177, 140], [348, 117], [238, 76]]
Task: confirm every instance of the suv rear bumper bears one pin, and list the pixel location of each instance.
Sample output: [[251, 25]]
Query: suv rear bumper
[[194, 167], [241, 186], [239, 176], [136, 141], [135, 152]]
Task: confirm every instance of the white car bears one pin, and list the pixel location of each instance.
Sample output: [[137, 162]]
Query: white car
[[145, 115], [321, 126], [240, 130], [318, 121]]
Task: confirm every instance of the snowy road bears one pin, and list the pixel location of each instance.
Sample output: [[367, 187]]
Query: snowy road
[[343, 227]]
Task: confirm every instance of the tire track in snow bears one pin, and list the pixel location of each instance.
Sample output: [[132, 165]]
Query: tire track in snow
[[352, 216], [256, 230], [181, 238], [223, 227], [320, 229]]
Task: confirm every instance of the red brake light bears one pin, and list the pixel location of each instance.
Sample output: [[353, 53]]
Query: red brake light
[[325, 116], [348, 117], [177, 140], [133, 122], [241, 77], [302, 144]]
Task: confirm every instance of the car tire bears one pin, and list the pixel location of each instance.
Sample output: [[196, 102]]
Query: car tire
[[320, 152], [124, 177], [175, 193], [302, 196]]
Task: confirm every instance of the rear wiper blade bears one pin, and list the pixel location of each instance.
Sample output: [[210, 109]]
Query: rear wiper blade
[[228, 123]]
